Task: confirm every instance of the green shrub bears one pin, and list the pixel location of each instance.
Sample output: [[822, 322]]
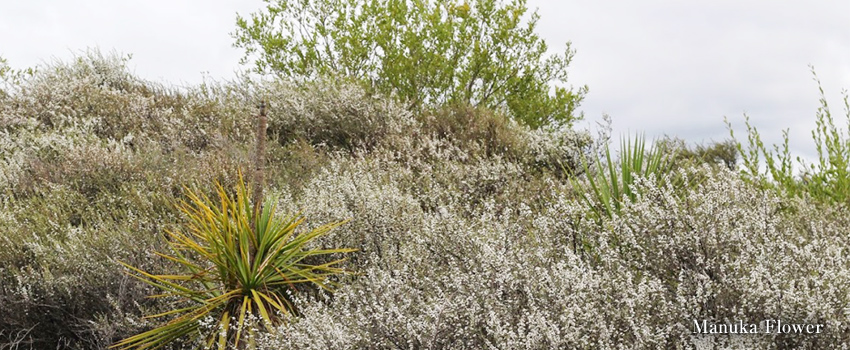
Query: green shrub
[[426, 53], [828, 179]]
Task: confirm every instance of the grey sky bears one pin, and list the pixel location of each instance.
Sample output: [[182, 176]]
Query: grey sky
[[675, 67]]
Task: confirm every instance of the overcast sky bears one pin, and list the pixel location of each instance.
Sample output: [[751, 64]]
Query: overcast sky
[[674, 67]]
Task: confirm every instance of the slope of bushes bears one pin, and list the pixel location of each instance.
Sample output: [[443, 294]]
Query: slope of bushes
[[470, 232], [511, 277]]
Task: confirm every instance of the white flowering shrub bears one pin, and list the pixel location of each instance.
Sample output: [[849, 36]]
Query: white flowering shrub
[[559, 149], [483, 133], [470, 233], [337, 114], [90, 162], [511, 278]]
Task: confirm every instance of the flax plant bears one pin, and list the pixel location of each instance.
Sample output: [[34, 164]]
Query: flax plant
[[609, 186], [235, 269]]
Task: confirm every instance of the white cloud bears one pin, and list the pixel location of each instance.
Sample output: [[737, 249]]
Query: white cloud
[[173, 41], [679, 67]]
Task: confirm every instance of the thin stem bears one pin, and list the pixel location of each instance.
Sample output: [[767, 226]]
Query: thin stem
[[259, 159]]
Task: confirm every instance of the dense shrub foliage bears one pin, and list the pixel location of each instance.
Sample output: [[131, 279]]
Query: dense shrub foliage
[[509, 276], [470, 229], [484, 53]]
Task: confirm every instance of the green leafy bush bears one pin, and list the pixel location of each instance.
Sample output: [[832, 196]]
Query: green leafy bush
[[427, 53], [828, 179]]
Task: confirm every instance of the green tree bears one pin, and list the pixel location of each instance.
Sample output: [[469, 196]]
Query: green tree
[[484, 53]]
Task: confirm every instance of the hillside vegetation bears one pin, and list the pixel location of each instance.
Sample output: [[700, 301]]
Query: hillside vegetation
[[472, 231]]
